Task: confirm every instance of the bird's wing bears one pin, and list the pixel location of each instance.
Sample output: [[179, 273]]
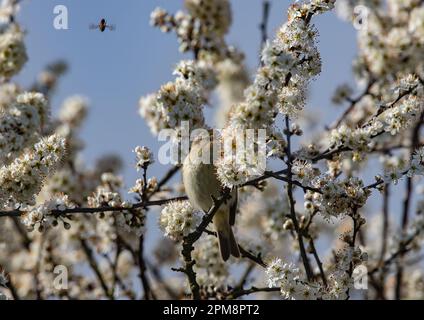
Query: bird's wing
[[93, 26], [233, 207], [111, 27]]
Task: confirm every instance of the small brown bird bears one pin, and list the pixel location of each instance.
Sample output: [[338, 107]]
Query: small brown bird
[[102, 26], [201, 183]]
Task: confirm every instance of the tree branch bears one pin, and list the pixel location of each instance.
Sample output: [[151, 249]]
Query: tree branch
[[93, 264], [263, 26], [190, 239], [243, 292], [303, 255]]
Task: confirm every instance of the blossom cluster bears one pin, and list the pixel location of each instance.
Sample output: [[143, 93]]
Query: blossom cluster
[[290, 61], [107, 193], [358, 140], [200, 29], [340, 279], [22, 179], [390, 40], [181, 100], [178, 219], [338, 197], [404, 115], [288, 278], [12, 51], [304, 171], [141, 188], [244, 155], [393, 118], [395, 168], [21, 123], [144, 157], [41, 216]]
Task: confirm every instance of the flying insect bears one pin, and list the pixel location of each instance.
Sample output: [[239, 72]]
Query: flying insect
[[102, 26]]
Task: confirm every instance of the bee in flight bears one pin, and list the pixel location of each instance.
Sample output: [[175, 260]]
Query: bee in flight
[[102, 26]]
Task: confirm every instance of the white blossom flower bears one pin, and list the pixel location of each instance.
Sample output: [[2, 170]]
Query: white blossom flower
[[278, 272], [139, 186], [338, 197], [303, 171], [288, 277], [178, 219], [144, 157], [401, 116], [41, 216]]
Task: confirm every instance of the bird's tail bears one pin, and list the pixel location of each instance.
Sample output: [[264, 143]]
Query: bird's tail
[[227, 243]]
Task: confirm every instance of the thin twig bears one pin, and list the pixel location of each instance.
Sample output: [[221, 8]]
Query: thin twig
[[403, 248], [353, 103], [58, 213], [93, 264], [245, 276], [263, 26], [318, 260], [26, 241], [406, 206], [148, 293], [158, 276], [384, 232], [243, 292], [303, 255], [256, 259], [355, 230]]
